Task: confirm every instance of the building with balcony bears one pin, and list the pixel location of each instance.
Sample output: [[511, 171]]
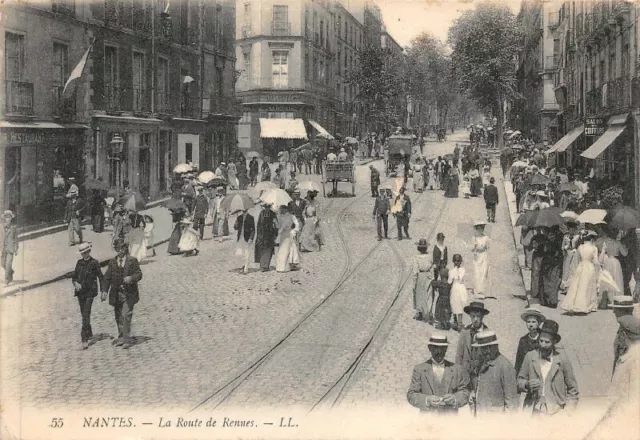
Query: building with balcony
[[597, 88], [535, 115], [159, 75]]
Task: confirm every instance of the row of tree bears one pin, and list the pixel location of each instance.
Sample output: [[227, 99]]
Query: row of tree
[[476, 70]]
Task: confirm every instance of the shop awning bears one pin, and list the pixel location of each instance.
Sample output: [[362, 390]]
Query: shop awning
[[603, 141], [40, 125], [282, 128], [566, 141], [321, 131]]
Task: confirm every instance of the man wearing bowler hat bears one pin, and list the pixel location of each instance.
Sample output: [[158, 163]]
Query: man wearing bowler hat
[[467, 358], [495, 389], [546, 375], [85, 280], [438, 386], [627, 334], [624, 391], [121, 283]]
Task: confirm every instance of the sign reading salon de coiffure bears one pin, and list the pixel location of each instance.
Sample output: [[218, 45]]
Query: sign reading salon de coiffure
[[594, 126]]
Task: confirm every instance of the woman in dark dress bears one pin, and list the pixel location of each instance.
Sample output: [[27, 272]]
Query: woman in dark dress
[[533, 317], [97, 211], [443, 303], [266, 233], [174, 240], [453, 183], [538, 242], [552, 262]]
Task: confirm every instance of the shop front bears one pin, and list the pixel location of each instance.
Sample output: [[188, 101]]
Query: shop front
[[37, 160], [221, 141], [560, 154], [611, 155], [281, 135]]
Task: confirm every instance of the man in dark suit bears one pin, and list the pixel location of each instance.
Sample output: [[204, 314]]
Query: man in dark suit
[[121, 283], [381, 213], [297, 206], [246, 227], [85, 280], [403, 216], [375, 181], [491, 200], [438, 385], [466, 357]]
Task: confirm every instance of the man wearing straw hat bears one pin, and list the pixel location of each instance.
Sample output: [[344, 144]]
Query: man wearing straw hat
[[200, 210], [438, 386], [496, 389], [73, 216], [9, 245], [547, 376], [85, 280], [622, 307]]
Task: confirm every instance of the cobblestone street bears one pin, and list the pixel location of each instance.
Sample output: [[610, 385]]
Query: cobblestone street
[[200, 324]]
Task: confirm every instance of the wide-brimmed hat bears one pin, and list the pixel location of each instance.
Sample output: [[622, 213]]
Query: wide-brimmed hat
[[186, 221], [71, 179], [8, 213], [541, 194], [485, 338], [532, 311], [438, 340], [119, 243], [84, 247], [589, 233], [622, 302], [475, 305], [631, 326], [479, 223], [422, 244], [296, 191], [550, 327]]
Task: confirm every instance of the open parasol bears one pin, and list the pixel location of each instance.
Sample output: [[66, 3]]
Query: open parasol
[[539, 179], [307, 146], [257, 190], [276, 197], [569, 215], [592, 216], [548, 217], [237, 202], [96, 184], [519, 164], [623, 218], [308, 185], [183, 168], [252, 154], [206, 176], [133, 202]]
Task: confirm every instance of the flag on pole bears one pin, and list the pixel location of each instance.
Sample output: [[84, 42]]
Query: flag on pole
[[70, 85], [166, 7]]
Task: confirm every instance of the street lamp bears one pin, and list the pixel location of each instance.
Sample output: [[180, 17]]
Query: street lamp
[[117, 145]]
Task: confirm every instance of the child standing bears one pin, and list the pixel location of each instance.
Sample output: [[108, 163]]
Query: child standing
[[466, 186], [459, 296], [443, 303]]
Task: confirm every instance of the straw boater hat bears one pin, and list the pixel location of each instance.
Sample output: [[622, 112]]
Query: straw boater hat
[[485, 338], [479, 223], [438, 340], [475, 305], [296, 191], [533, 311], [550, 327], [8, 213], [186, 221], [622, 302], [541, 194], [422, 244], [84, 247]]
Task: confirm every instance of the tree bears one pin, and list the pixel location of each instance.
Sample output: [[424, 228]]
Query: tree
[[485, 42], [378, 78]]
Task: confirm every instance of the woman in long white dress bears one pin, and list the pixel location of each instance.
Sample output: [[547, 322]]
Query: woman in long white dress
[[288, 227], [582, 296], [189, 240], [459, 296], [480, 259], [611, 250], [423, 275], [311, 239], [569, 247], [433, 182], [233, 173], [136, 238]]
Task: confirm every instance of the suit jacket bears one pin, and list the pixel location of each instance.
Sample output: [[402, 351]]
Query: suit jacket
[[440, 258], [74, 209], [246, 228], [423, 383], [201, 208], [10, 239], [381, 206], [560, 388], [113, 281], [497, 389], [298, 209], [87, 273], [375, 177], [491, 194], [406, 204], [463, 353]]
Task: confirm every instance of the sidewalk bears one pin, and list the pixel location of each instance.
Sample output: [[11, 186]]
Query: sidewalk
[[513, 213], [49, 258]]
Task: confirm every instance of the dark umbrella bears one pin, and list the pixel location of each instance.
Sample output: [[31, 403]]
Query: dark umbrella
[[96, 184], [548, 217], [218, 181], [623, 218], [525, 219], [539, 179], [175, 205], [133, 202], [570, 187]]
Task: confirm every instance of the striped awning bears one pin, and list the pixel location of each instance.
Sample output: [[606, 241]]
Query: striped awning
[[566, 140], [282, 129], [321, 131]]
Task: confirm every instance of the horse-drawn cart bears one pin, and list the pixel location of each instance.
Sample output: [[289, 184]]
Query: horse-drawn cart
[[337, 171]]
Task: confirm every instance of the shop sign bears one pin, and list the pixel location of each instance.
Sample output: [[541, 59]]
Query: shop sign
[[594, 126], [17, 138]]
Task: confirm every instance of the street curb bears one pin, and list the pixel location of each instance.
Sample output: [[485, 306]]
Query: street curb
[[25, 236], [65, 275]]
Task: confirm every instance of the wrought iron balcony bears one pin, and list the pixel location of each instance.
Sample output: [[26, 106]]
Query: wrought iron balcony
[[112, 98], [63, 108], [280, 29], [594, 102], [190, 107], [617, 94], [19, 98]]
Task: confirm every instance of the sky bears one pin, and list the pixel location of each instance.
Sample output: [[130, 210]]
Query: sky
[[406, 19]]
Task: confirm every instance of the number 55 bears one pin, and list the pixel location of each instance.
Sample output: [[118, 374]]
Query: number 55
[[56, 422]]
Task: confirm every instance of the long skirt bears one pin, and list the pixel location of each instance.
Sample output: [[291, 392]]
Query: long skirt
[[443, 308], [582, 296], [422, 294], [551, 279], [418, 181], [568, 266], [452, 187], [536, 274], [459, 298], [148, 235], [189, 240], [294, 252], [480, 272], [612, 264], [476, 186], [137, 244], [98, 223], [311, 237], [174, 240], [433, 182], [263, 256], [282, 255]]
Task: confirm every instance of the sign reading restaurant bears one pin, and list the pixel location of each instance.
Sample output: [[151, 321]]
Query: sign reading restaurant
[[15, 138], [594, 126]]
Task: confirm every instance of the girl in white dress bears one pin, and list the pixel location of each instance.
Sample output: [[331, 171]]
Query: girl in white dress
[[582, 296], [480, 259], [459, 296]]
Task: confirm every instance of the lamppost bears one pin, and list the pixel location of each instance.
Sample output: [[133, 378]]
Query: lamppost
[[117, 145]]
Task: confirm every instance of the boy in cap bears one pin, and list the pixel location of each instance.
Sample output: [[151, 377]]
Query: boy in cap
[[9, 245], [534, 318], [546, 375], [438, 385], [85, 280], [121, 283], [495, 388]]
